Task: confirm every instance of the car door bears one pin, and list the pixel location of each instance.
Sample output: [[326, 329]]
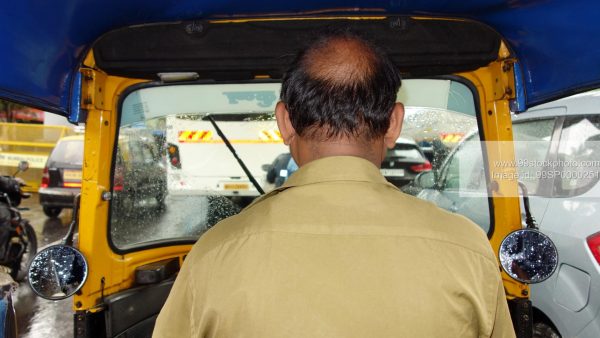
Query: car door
[[570, 298]]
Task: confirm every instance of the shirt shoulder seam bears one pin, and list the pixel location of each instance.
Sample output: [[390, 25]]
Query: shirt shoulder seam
[[257, 233]]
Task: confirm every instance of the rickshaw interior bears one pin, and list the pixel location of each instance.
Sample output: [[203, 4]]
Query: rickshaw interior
[[163, 92]]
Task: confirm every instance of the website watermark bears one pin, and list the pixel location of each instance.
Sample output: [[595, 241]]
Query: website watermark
[[543, 175], [544, 167], [524, 162]]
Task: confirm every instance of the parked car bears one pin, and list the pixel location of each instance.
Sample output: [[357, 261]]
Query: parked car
[[404, 162], [61, 178], [557, 152], [565, 137], [140, 177]]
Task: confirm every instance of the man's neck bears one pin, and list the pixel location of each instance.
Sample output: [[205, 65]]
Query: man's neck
[[306, 150]]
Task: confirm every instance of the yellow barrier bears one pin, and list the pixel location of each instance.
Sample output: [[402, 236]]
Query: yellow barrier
[[28, 142]]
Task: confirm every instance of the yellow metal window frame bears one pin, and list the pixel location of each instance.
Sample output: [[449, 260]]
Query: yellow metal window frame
[[110, 272]]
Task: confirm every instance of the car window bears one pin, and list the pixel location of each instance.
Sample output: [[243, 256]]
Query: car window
[[462, 186], [68, 152], [452, 174], [578, 158], [532, 150], [464, 171], [195, 181]]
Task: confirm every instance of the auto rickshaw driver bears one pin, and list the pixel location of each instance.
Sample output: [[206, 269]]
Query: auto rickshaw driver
[[337, 251]]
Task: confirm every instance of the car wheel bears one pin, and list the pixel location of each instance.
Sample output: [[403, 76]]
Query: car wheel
[[543, 330], [52, 211]]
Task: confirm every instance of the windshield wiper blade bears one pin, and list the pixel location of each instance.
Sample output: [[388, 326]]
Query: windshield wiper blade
[[228, 144]]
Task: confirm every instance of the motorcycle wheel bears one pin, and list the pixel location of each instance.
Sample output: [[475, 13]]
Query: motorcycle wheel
[[19, 269]]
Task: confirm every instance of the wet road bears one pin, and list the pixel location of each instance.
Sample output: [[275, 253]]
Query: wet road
[[37, 317]]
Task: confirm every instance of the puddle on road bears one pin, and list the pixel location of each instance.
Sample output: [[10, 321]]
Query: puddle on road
[[45, 318]]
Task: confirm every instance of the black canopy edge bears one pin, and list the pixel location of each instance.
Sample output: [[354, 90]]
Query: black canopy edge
[[244, 50]]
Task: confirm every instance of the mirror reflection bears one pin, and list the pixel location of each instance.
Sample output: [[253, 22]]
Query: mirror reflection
[[528, 256], [57, 272]]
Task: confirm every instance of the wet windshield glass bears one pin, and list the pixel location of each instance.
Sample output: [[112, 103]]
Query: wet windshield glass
[[174, 177]]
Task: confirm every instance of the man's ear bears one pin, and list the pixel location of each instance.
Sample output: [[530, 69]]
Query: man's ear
[[284, 123], [393, 131]]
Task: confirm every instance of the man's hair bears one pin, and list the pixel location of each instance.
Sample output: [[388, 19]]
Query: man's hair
[[341, 85]]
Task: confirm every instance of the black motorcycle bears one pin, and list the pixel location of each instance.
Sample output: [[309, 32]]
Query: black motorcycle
[[18, 242]]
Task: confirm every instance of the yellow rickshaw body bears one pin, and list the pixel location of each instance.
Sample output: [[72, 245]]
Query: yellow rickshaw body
[[111, 272]]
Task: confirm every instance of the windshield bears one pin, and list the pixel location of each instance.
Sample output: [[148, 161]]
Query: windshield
[[174, 176]]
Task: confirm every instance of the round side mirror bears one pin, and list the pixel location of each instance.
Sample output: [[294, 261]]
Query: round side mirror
[[528, 256], [23, 165], [57, 272]]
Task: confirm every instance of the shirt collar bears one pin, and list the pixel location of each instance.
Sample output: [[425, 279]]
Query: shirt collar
[[335, 168], [330, 169]]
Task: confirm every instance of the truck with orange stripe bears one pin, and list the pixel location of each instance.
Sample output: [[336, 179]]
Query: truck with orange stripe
[[199, 160]]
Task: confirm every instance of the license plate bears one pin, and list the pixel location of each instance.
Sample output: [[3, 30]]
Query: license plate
[[236, 186], [72, 175], [392, 172]]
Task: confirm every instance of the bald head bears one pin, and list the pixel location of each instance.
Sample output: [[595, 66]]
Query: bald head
[[341, 61], [340, 86]]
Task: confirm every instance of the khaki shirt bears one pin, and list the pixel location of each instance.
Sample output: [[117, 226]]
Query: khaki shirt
[[339, 252]]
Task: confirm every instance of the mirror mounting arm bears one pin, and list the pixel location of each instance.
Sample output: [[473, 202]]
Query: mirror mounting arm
[[22, 167], [529, 220], [68, 239]]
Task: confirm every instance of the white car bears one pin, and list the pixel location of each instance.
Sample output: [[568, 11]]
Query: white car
[[566, 205], [558, 159]]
